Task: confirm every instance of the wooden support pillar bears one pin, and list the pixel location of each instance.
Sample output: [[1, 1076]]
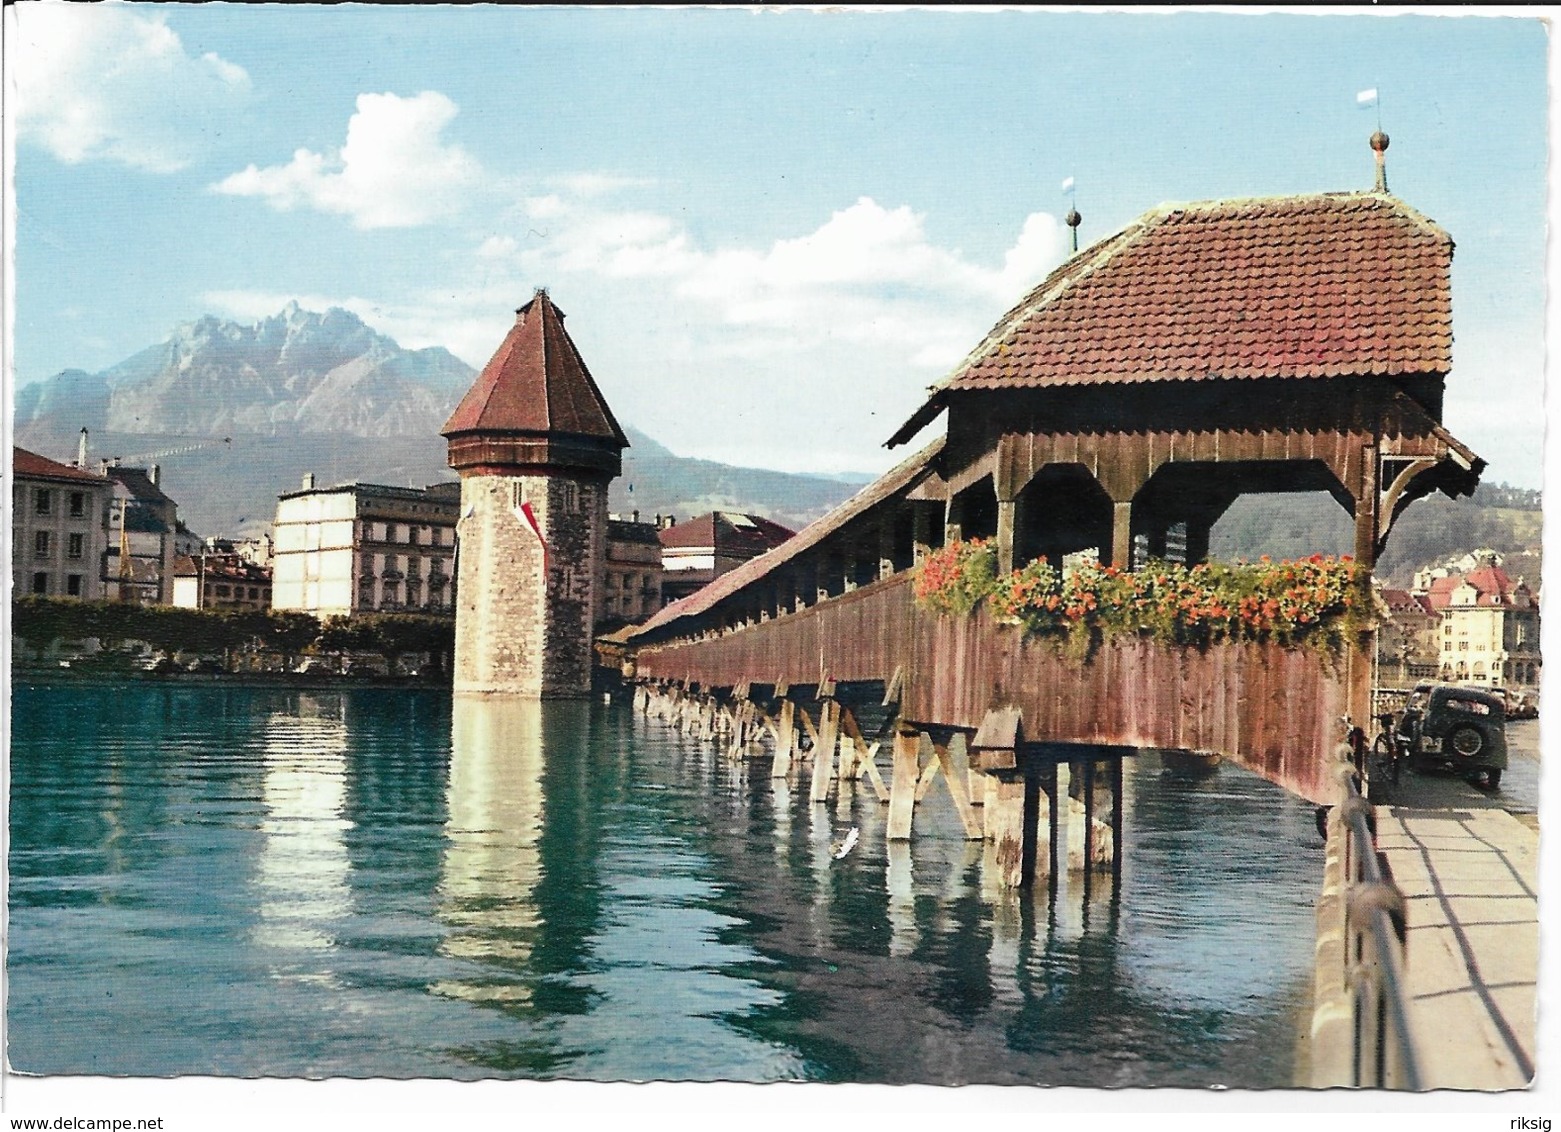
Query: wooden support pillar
[[956, 772], [1032, 816], [886, 544], [1004, 815], [1122, 534], [784, 739], [847, 571], [1089, 816], [1005, 535], [1116, 823], [902, 788], [1054, 827], [867, 754], [1360, 674], [847, 768], [824, 750], [921, 532], [953, 520]]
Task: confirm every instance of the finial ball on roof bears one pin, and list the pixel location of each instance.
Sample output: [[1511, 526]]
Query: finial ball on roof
[[1073, 218], [1379, 141]]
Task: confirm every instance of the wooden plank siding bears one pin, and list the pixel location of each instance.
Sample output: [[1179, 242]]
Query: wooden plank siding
[[1271, 709]]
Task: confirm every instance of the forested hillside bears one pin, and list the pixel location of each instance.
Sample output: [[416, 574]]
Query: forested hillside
[[1503, 518]]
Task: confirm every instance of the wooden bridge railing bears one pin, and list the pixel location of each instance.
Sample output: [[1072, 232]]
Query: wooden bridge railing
[[1270, 708]]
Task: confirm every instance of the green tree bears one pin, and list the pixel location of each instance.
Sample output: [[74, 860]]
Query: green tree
[[289, 632]]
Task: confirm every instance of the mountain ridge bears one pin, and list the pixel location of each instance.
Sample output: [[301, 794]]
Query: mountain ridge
[[235, 413]]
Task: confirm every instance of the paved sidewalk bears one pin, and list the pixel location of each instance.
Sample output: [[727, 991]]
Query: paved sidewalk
[[1469, 877]]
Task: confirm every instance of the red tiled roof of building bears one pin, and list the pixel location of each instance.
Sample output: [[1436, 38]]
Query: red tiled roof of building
[[726, 532], [1493, 584], [1440, 595], [536, 383], [221, 567], [25, 463], [1402, 601], [1321, 285]]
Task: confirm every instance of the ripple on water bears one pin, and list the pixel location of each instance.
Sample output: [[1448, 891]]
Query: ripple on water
[[365, 883]]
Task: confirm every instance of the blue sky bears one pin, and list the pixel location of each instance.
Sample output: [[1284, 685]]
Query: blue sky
[[771, 230]]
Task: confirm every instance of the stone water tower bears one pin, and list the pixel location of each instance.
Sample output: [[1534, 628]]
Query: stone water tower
[[536, 446]]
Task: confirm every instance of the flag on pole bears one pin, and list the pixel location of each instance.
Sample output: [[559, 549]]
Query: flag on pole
[[1067, 186], [1366, 99], [536, 528]]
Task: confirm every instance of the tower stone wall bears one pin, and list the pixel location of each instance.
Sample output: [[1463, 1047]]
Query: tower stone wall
[[522, 629]]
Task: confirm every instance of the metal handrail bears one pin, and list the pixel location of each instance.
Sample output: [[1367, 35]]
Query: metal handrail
[[1374, 932]]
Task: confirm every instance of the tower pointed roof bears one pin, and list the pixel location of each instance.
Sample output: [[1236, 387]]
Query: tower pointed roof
[[536, 383]]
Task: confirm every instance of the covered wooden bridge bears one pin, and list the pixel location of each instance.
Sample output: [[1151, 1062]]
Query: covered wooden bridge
[[1204, 352]]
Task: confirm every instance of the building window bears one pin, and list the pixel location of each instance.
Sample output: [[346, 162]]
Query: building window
[[43, 501], [40, 583], [73, 585], [222, 591], [75, 547], [78, 504], [40, 544]]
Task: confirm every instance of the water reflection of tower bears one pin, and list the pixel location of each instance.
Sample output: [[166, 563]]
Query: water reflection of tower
[[492, 846], [302, 873]]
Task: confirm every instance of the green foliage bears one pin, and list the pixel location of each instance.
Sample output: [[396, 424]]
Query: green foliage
[[1431, 530], [955, 578]]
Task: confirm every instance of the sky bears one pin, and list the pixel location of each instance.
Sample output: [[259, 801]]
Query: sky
[[771, 230]]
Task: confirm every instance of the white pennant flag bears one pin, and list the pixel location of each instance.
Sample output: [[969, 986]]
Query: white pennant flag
[[1067, 186], [1366, 99]]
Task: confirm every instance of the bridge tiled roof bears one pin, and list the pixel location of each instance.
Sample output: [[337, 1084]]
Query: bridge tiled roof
[[897, 479], [536, 383], [1322, 285]]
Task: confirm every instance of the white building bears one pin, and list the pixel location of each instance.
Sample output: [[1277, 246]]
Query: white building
[[1489, 628], [360, 548], [59, 527]]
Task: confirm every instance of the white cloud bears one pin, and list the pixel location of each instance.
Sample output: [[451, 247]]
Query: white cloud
[[101, 82], [851, 321], [394, 171], [868, 275]]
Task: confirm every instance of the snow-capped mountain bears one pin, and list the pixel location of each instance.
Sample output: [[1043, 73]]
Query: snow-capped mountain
[[297, 371]]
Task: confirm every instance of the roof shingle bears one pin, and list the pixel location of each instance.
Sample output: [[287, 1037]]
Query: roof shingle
[[536, 383], [25, 463], [1331, 284]]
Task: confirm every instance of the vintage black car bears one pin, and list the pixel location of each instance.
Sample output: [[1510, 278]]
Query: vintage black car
[[1461, 729]]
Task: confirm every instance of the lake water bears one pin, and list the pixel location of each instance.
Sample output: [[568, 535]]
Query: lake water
[[369, 883]]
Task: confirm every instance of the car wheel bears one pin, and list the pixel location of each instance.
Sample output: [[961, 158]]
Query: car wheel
[[1466, 741]]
